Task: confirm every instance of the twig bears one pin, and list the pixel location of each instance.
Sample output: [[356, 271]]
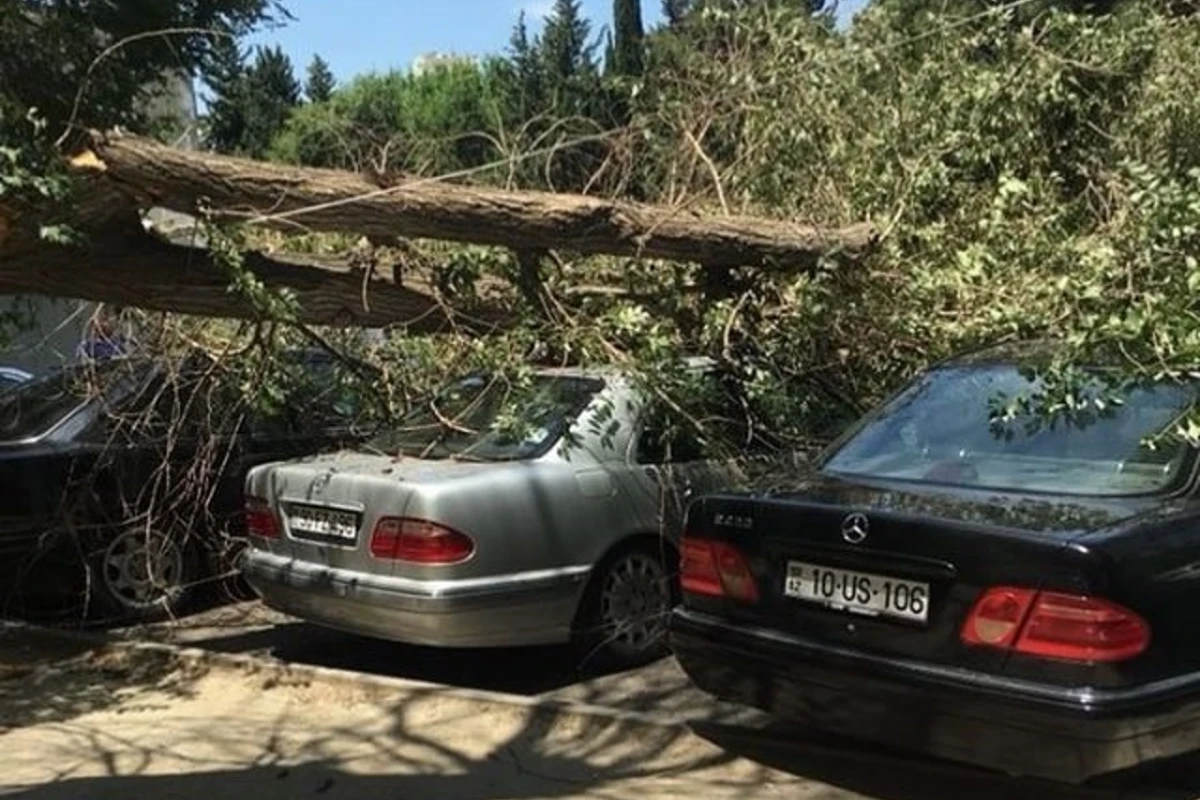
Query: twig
[[108, 51]]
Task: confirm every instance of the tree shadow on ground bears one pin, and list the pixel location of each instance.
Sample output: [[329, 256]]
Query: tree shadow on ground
[[426, 746], [45, 679], [286, 736]]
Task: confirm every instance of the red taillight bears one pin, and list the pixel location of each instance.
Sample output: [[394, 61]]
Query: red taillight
[[1083, 629], [260, 519], [716, 569], [1055, 625], [996, 618], [419, 541]]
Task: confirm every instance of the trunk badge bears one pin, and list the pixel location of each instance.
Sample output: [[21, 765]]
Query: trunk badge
[[855, 528]]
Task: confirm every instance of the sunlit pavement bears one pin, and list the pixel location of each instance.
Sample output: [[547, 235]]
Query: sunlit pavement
[[661, 689]]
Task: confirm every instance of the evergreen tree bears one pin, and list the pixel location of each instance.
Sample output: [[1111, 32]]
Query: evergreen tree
[[528, 94], [271, 92], [319, 87], [226, 78], [628, 56], [567, 55]]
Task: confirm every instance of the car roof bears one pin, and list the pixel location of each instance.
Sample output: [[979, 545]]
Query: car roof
[[1006, 353], [691, 363]]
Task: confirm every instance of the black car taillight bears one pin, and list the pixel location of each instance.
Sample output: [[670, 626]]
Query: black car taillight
[[260, 519], [1055, 625], [716, 569], [419, 541]]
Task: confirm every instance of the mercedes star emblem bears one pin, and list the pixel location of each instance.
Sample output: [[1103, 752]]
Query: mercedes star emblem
[[855, 528]]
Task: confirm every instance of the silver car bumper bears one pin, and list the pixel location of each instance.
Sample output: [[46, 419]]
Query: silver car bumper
[[508, 611]]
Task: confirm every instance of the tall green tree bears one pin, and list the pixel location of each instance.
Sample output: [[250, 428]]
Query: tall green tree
[[527, 90], [568, 57], [226, 79], [320, 84], [628, 49], [252, 104]]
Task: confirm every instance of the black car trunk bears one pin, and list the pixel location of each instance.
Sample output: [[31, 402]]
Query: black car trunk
[[896, 569]]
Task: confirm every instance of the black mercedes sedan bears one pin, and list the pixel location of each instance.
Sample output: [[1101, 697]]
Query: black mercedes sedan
[[121, 480], [1019, 594]]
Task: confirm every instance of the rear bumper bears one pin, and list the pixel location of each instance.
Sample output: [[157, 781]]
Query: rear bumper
[[1017, 728], [509, 611]]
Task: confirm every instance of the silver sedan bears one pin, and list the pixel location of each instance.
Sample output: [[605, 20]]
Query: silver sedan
[[472, 525]]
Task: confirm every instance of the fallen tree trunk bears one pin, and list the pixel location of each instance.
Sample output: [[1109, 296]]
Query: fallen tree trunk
[[306, 199], [132, 268]]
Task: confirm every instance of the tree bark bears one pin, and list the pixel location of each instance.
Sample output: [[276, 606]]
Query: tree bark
[[305, 199], [132, 268]]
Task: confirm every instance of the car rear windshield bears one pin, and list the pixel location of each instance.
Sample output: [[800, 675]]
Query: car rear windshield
[[943, 429], [35, 406], [488, 419]]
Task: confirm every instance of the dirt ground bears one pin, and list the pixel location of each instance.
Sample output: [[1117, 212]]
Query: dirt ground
[[108, 725], [77, 722]]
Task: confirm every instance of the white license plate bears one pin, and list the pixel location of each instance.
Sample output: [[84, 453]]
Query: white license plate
[[327, 522], [858, 592]]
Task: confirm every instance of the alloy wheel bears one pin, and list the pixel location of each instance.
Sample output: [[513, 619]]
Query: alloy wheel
[[142, 569], [634, 601]]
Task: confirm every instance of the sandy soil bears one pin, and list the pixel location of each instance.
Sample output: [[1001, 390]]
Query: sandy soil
[[114, 723], [105, 725]]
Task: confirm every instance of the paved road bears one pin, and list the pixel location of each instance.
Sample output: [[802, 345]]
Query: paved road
[[661, 688]]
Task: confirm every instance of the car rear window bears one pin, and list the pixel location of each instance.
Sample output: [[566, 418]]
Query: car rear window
[[942, 429], [35, 406], [486, 418]]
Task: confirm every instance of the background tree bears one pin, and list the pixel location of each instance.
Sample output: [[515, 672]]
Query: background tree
[[527, 84], [629, 38], [48, 46], [568, 57], [320, 83], [252, 104], [226, 79]]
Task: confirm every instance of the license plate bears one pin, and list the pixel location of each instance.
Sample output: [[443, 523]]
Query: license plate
[[323, 522], [858, 592]]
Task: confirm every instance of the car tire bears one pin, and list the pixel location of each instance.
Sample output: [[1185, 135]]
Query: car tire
[[139, 574], [622, 620]]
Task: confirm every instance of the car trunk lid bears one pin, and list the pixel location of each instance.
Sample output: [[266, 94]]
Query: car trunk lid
[[896, 568], [328, 506]]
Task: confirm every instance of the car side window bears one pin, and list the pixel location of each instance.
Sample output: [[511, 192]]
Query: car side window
[[713, 425], [659, 443]]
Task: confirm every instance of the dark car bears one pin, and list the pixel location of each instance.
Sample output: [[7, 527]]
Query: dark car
[[1021, 592], [122, 479]]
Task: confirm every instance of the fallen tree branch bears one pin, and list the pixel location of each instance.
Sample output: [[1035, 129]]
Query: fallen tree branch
[[231, 189], [132, 268]]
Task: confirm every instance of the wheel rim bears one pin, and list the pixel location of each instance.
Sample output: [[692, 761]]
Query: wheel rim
[[634, 601], [142, 568]]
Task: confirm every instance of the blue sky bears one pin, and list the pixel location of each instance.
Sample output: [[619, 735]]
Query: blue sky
[[357, 36]]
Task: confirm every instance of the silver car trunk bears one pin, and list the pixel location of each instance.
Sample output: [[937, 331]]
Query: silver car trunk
[[348, 493]]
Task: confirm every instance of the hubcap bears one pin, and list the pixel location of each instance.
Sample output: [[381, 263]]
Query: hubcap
[[142, 568], [634, 601]]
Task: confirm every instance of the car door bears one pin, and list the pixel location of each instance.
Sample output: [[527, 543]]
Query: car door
[[670, 460]]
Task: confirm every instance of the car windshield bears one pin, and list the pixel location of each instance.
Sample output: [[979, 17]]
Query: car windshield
[[487, 419], [942, 430], [35, 406]]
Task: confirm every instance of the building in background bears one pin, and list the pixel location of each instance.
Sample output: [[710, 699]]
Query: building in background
[[428, 61]]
